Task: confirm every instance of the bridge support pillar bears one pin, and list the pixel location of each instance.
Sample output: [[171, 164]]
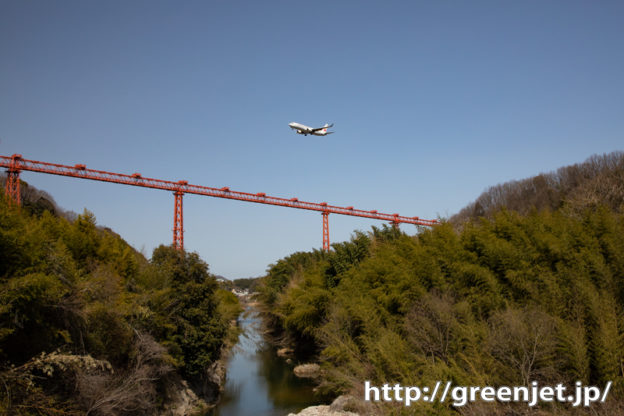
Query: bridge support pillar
[[13, 181], [325, 231], [178, 222]]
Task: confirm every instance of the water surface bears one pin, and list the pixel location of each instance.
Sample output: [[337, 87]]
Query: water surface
[[259, 383]]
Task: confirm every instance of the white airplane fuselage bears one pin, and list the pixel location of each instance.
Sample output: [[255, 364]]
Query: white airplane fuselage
[[305, 130]]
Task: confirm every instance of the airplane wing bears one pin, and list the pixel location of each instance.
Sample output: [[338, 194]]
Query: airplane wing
[[324, 127]]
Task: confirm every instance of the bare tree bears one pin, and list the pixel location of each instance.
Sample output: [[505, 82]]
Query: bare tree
[[524, 343]]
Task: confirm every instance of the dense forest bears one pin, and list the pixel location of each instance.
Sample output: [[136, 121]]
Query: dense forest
[[90, 326], [248, 283], [526, 284]]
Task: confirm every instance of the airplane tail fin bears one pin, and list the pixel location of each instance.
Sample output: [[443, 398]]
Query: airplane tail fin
[[329, 125]]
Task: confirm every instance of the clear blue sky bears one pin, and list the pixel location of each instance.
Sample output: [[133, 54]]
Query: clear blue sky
[[432, 103]]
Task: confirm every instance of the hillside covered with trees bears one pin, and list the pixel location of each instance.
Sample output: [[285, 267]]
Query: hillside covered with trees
[[527, 284], [597, 181], [90, 326]]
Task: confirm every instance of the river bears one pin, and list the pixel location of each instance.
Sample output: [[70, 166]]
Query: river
[[260, 383]]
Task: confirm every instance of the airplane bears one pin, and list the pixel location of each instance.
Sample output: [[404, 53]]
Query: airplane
[[305, 130]]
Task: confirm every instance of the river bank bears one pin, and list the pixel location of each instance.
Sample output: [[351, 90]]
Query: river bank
[[258, 381]]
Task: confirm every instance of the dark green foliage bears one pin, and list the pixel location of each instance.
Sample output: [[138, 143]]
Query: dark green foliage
[[108, 335], [506, 300], [77, 293], [186, 318], [31, 316], [249, 283]]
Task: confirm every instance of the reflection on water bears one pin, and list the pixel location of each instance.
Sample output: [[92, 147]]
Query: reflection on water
[[258, 381]]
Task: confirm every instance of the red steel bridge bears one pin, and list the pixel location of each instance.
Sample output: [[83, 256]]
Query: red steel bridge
[[15, 164]]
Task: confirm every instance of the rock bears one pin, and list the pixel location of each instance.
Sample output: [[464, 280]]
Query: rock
[[213, 383], [322, 411], [307, 370], [344, 402], [284, 352], [351, 404], [216, 373], [182, 401]]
